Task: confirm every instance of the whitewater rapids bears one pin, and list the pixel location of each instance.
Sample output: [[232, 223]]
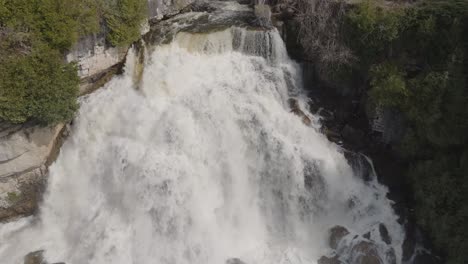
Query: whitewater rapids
[[199, 160]]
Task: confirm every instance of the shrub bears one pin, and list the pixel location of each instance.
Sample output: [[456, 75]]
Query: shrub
[[319, 24], [35, 82], [441, 201], [420, 58], [372, 29], [58, 22], [37, 87], [124, 19], [388, 86]]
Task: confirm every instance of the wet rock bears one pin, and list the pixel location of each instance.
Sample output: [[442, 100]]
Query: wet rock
[[263, 14], [408, 248], [390, 256], [413, 240], [360, 165], [425, 258], [365, 252], [366, 235], [337, 233], [332, 135], [198, 7], [24, 157], [384, 234], [20, 195], [368, 259], [296, 109], [234, 261], [159, 9], [353, 135], [329, 260], [313, 180], [327, 115], [35, 257]]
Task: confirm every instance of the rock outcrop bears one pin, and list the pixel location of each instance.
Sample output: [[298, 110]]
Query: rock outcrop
[[24, 156], [296, 109], [359, 248], [337, 233], [157, 9], [234, 261], [329, 260], [36, 257]]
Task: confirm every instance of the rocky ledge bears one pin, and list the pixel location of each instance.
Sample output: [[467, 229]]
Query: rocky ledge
[[25, 154]]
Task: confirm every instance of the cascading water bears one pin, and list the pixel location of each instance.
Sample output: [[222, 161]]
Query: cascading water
[[202, 163]]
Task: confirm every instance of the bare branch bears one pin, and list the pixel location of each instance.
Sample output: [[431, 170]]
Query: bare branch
[[319, 26]]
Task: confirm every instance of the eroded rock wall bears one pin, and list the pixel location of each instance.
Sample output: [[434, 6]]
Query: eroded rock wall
[[24, 156]]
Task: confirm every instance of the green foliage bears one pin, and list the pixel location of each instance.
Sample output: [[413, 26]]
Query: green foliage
[[61, 22], [416, 60], [13, 197], [442, 203], [38, 86], [124, 19], [35, 82], [372, 29], [57, 22], [388, 85]]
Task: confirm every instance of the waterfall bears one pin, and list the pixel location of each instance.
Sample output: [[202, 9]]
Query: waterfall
[[203, 163]]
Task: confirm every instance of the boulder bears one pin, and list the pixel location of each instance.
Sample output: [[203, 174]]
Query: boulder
[[360, 165], [37, 257], [329, 260], [22, 194], [365, 252], [337, 233], [234, 261], [296, 109], [157, 9]]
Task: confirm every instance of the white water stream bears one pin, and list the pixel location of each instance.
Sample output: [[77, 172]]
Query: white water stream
[[204, 162]]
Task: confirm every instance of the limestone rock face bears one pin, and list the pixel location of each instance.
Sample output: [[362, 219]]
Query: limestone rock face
[[24, 155], [93, 56], [372, 247], [26, 149], [160, 8]]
